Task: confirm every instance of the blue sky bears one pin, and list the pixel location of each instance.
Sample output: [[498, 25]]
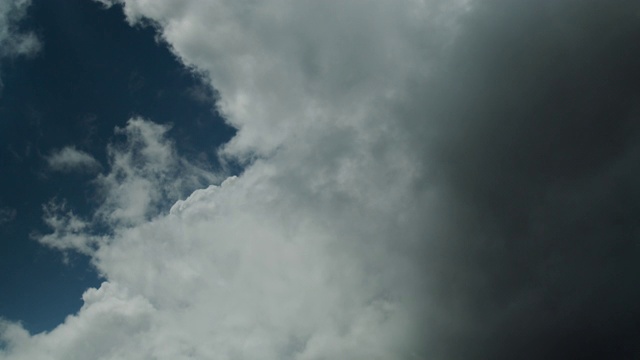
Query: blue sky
[[336, 179], [92, 73]]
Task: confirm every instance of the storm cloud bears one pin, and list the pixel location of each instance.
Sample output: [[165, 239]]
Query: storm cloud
[[535, 149]]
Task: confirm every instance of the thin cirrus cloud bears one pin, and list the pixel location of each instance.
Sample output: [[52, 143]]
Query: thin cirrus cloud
[[424, 180]]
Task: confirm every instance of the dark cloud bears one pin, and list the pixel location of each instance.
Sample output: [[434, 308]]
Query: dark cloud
[[530, 126]]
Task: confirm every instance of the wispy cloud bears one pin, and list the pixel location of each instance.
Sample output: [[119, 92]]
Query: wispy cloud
[[7, 215], [70, 159], [13, 40], [145, 177]]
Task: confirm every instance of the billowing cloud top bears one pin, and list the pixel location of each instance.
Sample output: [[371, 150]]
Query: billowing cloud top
[[424, 180]]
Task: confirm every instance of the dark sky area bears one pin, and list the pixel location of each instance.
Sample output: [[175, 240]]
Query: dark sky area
[[93, 73]]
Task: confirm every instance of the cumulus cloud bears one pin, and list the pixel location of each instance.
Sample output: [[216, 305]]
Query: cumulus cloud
[[229, 271], [109, 314], [145, 176], [425, 179], [70, 159]]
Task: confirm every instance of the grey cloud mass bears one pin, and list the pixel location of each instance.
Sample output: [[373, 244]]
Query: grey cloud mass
[[425, 180], [535, 147]]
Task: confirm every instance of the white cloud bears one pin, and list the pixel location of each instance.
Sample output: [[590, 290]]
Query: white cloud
[[316, 250], [109, 319], [145, 176], [248, 269], [70, 159]]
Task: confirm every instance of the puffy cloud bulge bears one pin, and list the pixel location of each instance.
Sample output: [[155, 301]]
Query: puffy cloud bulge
[[424, 180]]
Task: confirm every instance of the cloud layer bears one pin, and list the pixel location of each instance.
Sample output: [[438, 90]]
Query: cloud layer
[[425, 180]]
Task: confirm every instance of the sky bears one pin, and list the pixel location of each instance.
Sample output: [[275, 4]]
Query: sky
[[89, 72], [295, 179]]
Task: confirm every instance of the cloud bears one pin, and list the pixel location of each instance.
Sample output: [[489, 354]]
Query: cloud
[[229, 270], [7, 215], [146, 175], [424, 179], [109, 314], [14, 41], [70, 159]]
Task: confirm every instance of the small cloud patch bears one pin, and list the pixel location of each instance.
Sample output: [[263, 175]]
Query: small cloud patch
[[69, 159]]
